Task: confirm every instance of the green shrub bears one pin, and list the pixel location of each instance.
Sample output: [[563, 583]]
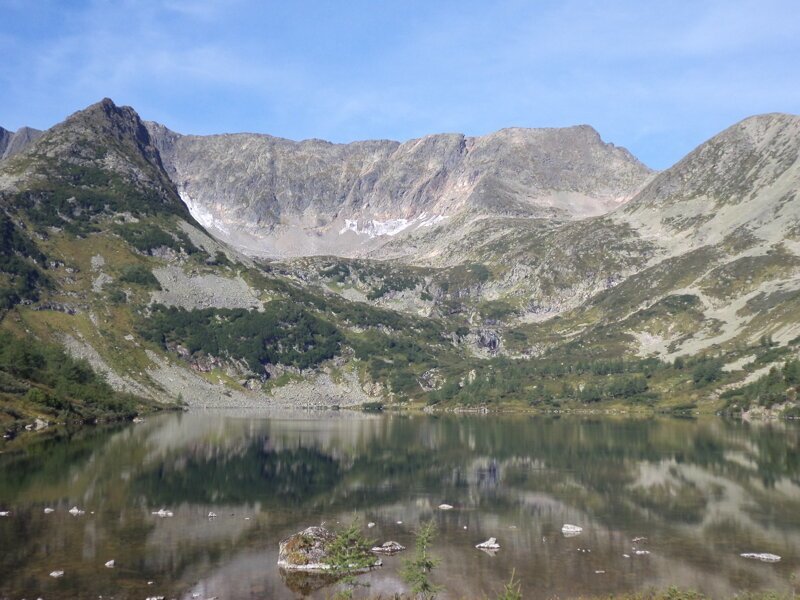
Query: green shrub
[[282, 333], [139, 275], [372, 406], [45, 376], [416, 571]]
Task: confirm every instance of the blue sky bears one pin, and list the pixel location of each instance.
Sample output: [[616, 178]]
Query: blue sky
[[656, 77]]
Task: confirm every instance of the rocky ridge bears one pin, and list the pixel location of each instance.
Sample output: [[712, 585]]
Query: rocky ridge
[[278, 198]]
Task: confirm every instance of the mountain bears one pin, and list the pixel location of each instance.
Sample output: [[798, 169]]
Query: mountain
[[743, 180], [278, 198], [525, 268], [14, 142]]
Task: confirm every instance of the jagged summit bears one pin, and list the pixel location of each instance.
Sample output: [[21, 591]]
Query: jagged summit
[[103, 149], [106, 123]]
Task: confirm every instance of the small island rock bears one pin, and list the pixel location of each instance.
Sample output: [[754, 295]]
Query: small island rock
[[389, 547]]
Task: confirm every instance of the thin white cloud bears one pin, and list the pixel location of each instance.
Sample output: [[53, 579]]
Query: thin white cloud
[[631, 69]]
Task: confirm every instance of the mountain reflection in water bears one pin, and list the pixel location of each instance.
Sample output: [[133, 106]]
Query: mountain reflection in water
[[700, 491]]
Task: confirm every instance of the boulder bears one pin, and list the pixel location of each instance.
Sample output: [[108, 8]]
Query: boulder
[[308, 551], [389, 547], [490, 544]]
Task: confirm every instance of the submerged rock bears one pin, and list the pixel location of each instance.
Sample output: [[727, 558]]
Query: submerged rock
[[762, 556], [389, 547], [490, 544]]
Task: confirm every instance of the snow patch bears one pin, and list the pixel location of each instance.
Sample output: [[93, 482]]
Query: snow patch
[[430, 221], [201, 214], [374, 228]]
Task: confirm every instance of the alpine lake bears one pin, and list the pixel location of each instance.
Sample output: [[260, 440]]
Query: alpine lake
[[662, 501]]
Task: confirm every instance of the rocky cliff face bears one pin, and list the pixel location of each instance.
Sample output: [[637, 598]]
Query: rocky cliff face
[[279, 198], [14, 142]]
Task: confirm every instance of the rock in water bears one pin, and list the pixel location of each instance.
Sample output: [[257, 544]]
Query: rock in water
[[389, 547], [75, 511], [490, 544], [445, 507], [571, 530], [762, 556], [110, 564], [308, 551], [163, 513], [56, 574], [48, 511]]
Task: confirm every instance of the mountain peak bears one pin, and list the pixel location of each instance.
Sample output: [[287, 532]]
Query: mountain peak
[[106, 118], [106, 147], [744, 178]]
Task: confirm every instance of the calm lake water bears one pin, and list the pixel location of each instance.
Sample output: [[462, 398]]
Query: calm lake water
[[701, 491]]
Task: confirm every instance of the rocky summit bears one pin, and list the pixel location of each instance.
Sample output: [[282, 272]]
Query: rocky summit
[[528, 268]]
